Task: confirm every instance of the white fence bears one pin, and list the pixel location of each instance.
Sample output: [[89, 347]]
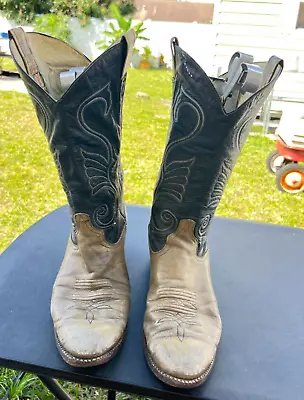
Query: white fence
[[197, 39], [212, 45]]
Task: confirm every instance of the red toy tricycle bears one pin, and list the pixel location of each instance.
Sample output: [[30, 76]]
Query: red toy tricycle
[[284, 161]]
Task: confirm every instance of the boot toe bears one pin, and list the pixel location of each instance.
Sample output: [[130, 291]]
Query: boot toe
[[89, 344], [181, 363]]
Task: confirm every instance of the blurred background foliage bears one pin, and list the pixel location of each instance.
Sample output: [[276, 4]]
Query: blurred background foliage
[[123, 24], [51, 16], [25, 11]]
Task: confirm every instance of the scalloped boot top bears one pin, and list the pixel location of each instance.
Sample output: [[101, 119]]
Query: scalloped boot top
[[210, 120], [78, 105]]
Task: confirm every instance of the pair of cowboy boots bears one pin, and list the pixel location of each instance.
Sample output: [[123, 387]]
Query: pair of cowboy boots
[[79, 106]]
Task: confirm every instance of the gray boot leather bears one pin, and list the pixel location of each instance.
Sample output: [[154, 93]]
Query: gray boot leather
[[210, 121], [82, 124]]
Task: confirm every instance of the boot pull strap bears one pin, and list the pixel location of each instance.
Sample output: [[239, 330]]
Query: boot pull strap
[[271, 69], [173, 43], [19, 37], [130, 39]]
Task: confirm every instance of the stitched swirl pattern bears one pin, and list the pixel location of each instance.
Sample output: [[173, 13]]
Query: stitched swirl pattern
[[204, 225], [103, 215], [174, 175]]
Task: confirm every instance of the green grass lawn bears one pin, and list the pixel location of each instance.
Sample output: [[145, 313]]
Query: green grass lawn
[[30, 187], [7, 63]]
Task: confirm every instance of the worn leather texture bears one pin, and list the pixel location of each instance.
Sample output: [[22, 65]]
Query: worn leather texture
[[83, 129], [203, 145], [262, 349], [182, 323], [91, 296]]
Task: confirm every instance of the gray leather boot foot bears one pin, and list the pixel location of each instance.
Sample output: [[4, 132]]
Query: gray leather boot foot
[[209, 124], [79, 107]]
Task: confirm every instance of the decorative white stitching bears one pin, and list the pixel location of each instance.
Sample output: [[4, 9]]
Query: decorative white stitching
[[60, 172], [170, 183], [186, 66], [178, 306], [185, 382], [98, 167], [45, 113], [97, 170]]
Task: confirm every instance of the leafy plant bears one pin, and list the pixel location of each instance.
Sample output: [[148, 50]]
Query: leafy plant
[[147, 53], [123, 24], [24, 10], [55, 25], [18, 386], [126, 7], [82, 9]]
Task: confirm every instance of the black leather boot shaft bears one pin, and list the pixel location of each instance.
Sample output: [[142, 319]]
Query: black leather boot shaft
[[203, 145], [83, 129]]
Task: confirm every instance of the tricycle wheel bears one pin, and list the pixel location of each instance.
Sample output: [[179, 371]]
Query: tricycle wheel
[[290, 178], [275, 161]]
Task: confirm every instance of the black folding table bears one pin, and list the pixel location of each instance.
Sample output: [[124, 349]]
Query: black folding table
[[258, 275]]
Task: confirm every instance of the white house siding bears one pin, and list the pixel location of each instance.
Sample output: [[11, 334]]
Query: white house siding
[[263, 28], [160, 33], [197, 39]]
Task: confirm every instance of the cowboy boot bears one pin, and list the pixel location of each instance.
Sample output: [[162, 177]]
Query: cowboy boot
[[209, 125], [79, 105]]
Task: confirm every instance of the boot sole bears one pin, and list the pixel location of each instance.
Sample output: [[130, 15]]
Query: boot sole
[[173, 381], [86, 362]]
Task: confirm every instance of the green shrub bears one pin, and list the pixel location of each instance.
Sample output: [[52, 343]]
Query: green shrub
[[84, 9], [24, 10], [81, 9], [55, 25]]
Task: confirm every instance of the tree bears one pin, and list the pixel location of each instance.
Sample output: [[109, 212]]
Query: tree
[[25, 11], [84, 9]]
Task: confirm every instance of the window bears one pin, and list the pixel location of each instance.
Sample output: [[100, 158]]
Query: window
[[300, 21]]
